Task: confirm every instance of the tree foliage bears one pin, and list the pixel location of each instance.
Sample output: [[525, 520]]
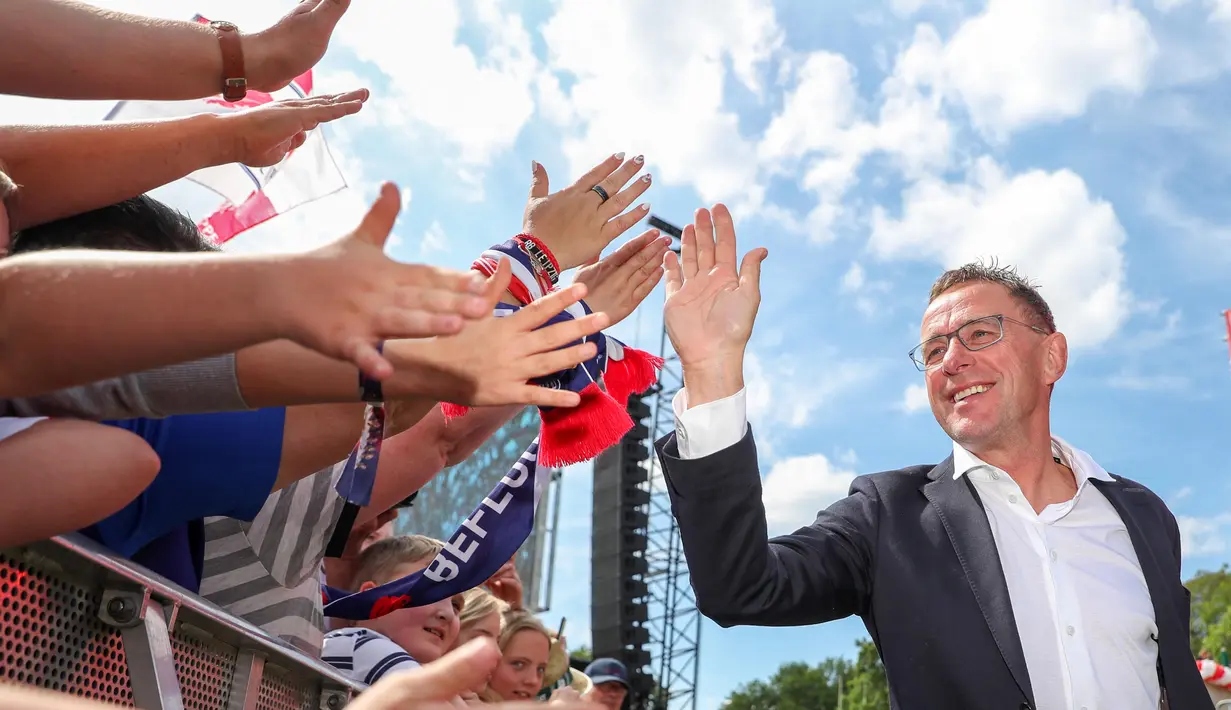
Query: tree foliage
[[1210, 623], [833, 684]]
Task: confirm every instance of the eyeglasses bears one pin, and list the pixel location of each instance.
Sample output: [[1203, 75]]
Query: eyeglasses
[[975, 335]]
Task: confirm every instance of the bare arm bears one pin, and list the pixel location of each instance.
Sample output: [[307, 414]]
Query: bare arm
[[61, 475], [57, 167], [411, 459], [68, 317], [70, 50]]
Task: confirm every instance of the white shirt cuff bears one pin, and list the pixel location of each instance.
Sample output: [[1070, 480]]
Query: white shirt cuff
[[711, 427]]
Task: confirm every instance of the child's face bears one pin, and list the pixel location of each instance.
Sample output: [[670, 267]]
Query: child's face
[[487, 627], [425, 632], [520, 673]]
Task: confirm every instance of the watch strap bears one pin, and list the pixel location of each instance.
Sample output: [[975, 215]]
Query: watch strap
[[234, 81]]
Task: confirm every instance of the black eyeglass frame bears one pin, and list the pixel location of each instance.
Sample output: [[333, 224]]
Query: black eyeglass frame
[[1000, 318]]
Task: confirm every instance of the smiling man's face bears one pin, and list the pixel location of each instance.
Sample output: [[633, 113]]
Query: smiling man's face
[[985, 397]]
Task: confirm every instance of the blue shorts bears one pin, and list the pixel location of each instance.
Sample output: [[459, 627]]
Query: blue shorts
[[222, 464]]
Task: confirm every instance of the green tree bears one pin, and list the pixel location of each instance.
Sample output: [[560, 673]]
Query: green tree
[[582, 653], [866, 687], [1210, 623], [833, 684]]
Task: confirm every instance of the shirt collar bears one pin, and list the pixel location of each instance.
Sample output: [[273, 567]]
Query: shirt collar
[[1083, 465]]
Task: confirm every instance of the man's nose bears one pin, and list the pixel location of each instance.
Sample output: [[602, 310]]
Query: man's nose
[[957, 357]]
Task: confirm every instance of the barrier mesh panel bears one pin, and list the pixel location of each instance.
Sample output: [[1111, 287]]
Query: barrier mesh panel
[[51, 637], [205, 670]]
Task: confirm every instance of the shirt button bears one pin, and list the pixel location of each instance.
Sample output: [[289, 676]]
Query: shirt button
[[1054, 556], [995, 475], [1012, 498], [1071, 630]]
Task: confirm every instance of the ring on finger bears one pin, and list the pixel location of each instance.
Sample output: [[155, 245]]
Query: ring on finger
[[598, 190]]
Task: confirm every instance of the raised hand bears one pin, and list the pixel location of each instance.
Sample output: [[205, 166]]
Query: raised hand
[[343, 298], [436, 685], [506, 585], [575, 223], [711, 305], [275, 56], [618, 283], [491, 361], [262, 136]]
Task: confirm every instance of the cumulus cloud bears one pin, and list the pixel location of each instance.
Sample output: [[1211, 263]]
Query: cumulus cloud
[[634, 83], [1045, 223], [1023, 61], [797, 487], [914, 399]]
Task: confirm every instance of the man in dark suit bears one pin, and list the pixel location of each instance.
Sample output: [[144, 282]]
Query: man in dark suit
[[1016, 574]]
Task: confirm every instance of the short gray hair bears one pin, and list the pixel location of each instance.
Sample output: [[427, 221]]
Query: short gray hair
[[1018, 287]]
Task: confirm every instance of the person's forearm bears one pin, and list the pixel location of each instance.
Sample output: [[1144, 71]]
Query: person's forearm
[[282, 373], [464, 435], [69, 50], [58, 167], [408, 461], [316, 437], [72, 317]]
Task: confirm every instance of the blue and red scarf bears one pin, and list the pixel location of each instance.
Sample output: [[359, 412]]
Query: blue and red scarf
[[503, 520]]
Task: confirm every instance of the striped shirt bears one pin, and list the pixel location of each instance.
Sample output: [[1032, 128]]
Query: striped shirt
[[268, 571], [364, 655]]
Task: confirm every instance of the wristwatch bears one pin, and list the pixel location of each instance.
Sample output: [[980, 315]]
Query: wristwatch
[[234, 83]]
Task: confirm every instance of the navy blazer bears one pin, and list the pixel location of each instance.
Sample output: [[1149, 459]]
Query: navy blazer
[[911, 553]]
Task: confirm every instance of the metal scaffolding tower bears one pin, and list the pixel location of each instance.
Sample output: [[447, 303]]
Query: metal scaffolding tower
[[674, 622]]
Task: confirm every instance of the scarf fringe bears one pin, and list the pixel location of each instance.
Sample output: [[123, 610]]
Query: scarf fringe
[[635, 373], [577, 434]]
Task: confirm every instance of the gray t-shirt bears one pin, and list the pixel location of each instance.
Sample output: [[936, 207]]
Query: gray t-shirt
[[268, 571]]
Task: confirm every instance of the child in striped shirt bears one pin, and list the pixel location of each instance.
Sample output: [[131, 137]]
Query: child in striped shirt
[[403, 639]]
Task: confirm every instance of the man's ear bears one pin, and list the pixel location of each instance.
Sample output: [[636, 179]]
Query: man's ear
[[1055, 358]]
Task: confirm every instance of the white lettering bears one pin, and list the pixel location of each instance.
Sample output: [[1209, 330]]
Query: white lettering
[[472, 524], [441, 570], [522, 474], [498, 507], [454, 546]]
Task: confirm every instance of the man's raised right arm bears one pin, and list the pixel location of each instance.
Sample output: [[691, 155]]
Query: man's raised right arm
[[740, 576]]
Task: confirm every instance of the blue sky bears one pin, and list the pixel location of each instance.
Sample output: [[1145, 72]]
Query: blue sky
[[868, 144]]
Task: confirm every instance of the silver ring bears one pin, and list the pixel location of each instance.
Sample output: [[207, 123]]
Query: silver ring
[[598, 189]]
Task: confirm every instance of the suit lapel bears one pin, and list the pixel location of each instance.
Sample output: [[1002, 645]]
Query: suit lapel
[[965, 521]]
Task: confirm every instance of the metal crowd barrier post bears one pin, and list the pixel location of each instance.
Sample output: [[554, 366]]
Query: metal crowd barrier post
[[76, 619]]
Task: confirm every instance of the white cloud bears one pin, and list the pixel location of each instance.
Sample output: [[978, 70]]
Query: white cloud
[[434, 240], [1044, 223], [1024, 61], [1181, 494], [639, 86], [915, 399], [477, 104], [1127, 379], [854, 278], [787, 391], [1200, 537], [796, 488]]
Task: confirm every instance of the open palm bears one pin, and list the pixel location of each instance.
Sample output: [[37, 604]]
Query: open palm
[[711, 305]]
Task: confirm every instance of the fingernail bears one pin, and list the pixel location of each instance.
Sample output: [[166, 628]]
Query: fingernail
[[647, 178], [639, 159], [477, 283], [534, 166], [619, 156], [645, 207]]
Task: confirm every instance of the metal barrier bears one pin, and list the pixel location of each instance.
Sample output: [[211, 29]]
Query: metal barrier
[[76, 619]]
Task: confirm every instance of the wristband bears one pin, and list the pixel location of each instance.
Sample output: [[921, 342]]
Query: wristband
[[540, 257], [370, 390]]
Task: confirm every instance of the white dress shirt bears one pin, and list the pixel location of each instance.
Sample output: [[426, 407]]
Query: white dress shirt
[[1080, 601]]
